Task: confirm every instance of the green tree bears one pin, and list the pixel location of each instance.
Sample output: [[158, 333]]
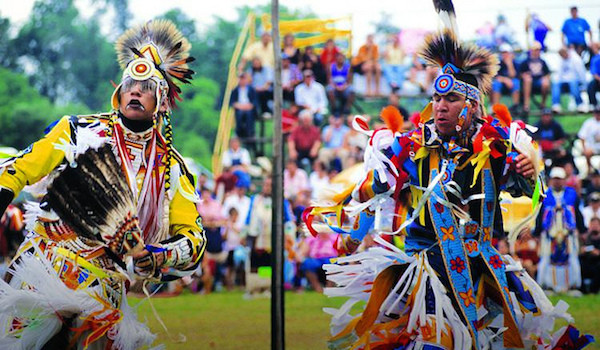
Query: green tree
[[23, 108], [66, 58]]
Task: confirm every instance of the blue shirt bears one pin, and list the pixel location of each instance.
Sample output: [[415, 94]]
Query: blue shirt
[[595, 65], [574, 29]]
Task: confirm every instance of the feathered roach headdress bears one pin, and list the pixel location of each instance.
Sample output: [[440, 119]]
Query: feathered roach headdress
[[465, 69], [157, 51]]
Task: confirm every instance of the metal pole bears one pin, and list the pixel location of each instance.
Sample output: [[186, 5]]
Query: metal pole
[[277, 302]]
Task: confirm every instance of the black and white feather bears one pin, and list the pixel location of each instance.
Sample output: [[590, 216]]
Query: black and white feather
[[94, 199], [445, 10]]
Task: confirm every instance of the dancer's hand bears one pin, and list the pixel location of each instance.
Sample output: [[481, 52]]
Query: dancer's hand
[[524, 166], [148, 262]]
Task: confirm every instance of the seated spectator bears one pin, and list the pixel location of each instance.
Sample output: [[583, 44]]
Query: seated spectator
[[573, 179], [394, 69], [354, 145], [592, 210], [305, 139], [289, 118], [594, 85], [503, 33], [333, 140], [526, 249], [291, 51], [339, 86], [236, 157], [311, 61], [244, 101], [507, 80], [591, 186], [210, 211], [318, 179], [262, 82], [328, 54], [573, 31], [535, 76], [366, 62], [311, 95], [262, 49], [295, 180], [550, 136], [590, 137], [317, 251], [570, 75], [290, 77], [420, 78], [590, 257]]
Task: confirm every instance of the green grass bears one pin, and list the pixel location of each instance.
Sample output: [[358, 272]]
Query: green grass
[[228, 321]]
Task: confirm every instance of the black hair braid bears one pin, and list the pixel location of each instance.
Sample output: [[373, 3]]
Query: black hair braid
[[169, 140]]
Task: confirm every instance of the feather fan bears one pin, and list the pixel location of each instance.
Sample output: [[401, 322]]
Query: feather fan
[[94, 199]]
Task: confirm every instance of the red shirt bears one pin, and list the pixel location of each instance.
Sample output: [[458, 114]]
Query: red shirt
[[328, 55], [305, 138]]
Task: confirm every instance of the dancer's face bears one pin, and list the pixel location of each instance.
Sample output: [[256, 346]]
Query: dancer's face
[[138, 102], [446, 109]]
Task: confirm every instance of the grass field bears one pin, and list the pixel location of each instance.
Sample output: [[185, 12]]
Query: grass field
[[228, 321]]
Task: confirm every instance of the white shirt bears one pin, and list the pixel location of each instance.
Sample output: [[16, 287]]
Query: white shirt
[[239, 157], [588, 213], [590, 133], [318, 184], [294, 184], [241, 204], [571, 69], [312, 96]]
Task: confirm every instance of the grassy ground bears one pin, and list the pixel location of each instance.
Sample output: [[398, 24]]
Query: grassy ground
[[228, 321]]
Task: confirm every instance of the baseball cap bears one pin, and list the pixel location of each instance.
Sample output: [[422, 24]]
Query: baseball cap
[[506, 48], [536, 46], [558, 173], [594, 197]]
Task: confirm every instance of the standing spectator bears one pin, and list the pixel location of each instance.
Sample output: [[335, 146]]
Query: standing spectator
[[311, 95], [244, 101], [526, 249], [233, 247], [328, 54], [570, 75], [366, 62], [291, 51], [311, 61], [317, 251], [590, 137], [394, 69], [507, 80], [212, 219], [225, 183], [333, 141], [290, 77], [592, 210], [262, 82], [257, 229], [318, 179], [594, 86], [339, 85], [590, 257], [503, 33], [573, 32], [262, 49], [305, 139], [295, 180], [535, 76], [538, 28], [550, 136]]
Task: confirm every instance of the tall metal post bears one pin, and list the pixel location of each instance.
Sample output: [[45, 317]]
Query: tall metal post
[[277, 297]]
